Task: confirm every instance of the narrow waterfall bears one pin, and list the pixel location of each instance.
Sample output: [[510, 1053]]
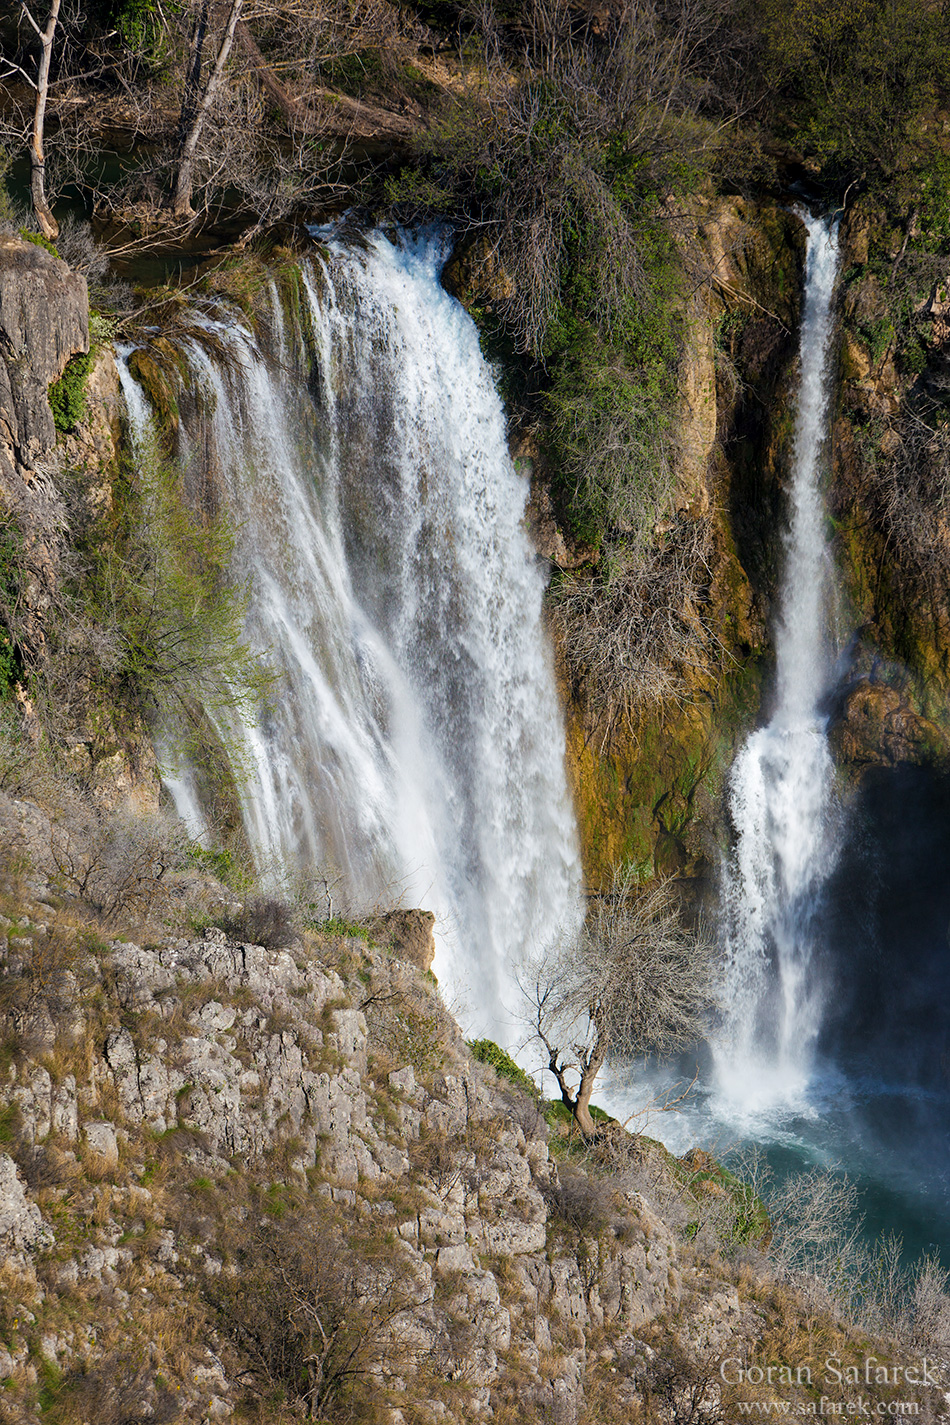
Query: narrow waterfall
[[781, 791], [415, 748]]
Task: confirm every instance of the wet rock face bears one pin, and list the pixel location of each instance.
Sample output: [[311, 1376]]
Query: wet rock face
[[44, 320], [873, 726]]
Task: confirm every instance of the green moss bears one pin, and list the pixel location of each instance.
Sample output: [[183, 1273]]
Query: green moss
[[160, 382], [487, 1052], [38, 240]]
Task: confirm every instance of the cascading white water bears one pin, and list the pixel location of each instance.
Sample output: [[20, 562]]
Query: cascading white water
[[781, 792], [414, 747]]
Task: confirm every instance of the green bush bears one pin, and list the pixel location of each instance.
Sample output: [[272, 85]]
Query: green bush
[[857, 81], [576, 175], [67, 396], [169, 618], [38, 240], [488, 1052]]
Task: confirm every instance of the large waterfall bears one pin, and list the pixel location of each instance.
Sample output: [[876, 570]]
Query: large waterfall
[[414, 749], [781, 792]]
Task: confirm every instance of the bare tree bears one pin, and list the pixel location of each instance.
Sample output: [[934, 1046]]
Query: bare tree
[[198, 98], [315, 1314], [636, 630], [635, 981], [39, 83]]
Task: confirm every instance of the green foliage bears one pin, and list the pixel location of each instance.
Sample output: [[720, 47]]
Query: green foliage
[[487, 1052], [878, 336], [223, 863], [102, 327], [9, 664], [858, 80], [158, 584], [577, 174], [933, 198], [347, 929], [144, 31], [38, 240], [67, 396], [751, 1225]]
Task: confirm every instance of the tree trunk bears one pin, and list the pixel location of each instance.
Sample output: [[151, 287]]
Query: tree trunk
[[265, 76], [47, 223], [185, 178], [589, 1072]]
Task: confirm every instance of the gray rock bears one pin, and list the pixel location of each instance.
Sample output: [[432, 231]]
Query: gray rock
[[44, 320], [101, 1140], [21, 1223]]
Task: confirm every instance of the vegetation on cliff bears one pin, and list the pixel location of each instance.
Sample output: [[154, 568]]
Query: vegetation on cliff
[[270, 1181], [604, 168]]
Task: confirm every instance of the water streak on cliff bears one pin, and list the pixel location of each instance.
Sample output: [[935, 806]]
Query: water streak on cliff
[[415, 746], [781, 791]]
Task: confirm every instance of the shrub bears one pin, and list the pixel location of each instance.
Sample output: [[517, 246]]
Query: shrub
[[67, 396], [580, 1200], [265, 921], [38, 240], [117, 1390], [314, 1311], [575, 169], [38, 986], [158, 591], [634, 630], [908, 483], [115, 862], [856, 81], [487, 1052]]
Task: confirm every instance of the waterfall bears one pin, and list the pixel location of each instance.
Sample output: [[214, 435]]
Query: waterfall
[[414, 749], [781, 788]]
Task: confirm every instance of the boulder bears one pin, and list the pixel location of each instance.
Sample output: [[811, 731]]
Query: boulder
[[44, 320], [21, 1224], [409, 934], [873, 725]]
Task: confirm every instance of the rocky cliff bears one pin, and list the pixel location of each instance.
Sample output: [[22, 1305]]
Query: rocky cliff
[[56, 486], [190, 1124], [275, 1183]]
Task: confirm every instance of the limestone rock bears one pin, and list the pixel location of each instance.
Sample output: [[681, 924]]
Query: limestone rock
[[409, 933], [474, 272], [21, 1223], [102, 1141], [44, 320]]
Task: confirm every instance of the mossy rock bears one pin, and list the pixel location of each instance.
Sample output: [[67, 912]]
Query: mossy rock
[[159, 378]]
